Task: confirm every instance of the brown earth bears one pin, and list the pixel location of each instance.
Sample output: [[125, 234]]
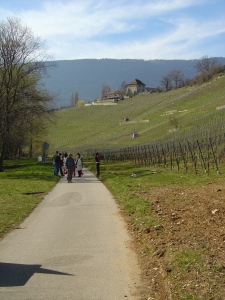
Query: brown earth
[[183, 257]]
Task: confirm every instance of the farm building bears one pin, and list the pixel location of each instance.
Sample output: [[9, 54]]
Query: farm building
[[135, 86]]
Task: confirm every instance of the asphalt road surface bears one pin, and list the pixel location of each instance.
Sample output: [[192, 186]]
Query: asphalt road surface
[[74, 245]]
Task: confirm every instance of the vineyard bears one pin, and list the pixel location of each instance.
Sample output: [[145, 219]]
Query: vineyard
[[199, 156], [180, 127]]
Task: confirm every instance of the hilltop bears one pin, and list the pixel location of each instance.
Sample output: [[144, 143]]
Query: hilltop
[[86, 76], [185, 112]]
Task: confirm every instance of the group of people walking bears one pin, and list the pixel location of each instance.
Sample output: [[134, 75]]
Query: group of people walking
[[66, 164]]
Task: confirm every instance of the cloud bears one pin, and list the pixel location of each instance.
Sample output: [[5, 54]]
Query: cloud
[[182, 41], [93, 18], [145, 29]]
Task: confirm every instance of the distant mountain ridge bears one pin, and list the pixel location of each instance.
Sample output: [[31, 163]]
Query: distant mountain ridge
[[86, 76]]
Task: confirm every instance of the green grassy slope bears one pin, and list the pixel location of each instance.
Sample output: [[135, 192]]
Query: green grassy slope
[[194, 110]]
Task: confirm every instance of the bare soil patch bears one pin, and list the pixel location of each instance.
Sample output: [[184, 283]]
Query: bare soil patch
[[183, 257]]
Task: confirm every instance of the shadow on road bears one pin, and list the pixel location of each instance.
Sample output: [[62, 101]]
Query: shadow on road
[[18, 274]]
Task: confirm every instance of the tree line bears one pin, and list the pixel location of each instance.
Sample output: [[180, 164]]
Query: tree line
[[206, 68], [25, 104]]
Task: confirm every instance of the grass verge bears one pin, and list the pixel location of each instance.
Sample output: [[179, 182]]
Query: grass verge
[[23, 185]]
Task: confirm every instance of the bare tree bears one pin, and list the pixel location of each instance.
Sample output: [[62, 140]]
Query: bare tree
[[105, 91], [207, 68], [123, 88], [205, 64], [188, 82], [178, 77], [123, 85], [167, 82], [23, 63]]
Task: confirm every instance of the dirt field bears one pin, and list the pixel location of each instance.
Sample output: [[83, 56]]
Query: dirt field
[[183, 257]]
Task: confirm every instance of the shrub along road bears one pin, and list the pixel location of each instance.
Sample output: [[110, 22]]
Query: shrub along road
[[74, 245]]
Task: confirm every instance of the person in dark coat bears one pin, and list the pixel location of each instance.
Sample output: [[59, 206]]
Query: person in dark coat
[[70, 165], [97, 162], [61, 164]]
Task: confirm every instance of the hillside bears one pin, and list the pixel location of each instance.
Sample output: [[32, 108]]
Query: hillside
[[175, 217], [86, 76], [185, 112]]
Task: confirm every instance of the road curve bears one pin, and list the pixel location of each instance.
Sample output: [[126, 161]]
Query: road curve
[[74, 245]]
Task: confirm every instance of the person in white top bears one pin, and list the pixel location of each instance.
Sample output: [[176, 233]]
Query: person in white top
[[79, 165]]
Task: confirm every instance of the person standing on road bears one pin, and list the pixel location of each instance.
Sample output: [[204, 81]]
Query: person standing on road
[[82, 163], [53, 161], [70, 165], [57, 164], [79, 165], [97, 162], [61, 164]]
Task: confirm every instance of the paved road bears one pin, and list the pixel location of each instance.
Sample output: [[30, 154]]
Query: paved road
[[74, 245]]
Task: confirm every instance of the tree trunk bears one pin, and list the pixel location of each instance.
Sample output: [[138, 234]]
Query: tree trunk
[[2, 157], [31, 149]]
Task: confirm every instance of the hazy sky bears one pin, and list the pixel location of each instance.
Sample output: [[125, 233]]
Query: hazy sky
[[141, 29]]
